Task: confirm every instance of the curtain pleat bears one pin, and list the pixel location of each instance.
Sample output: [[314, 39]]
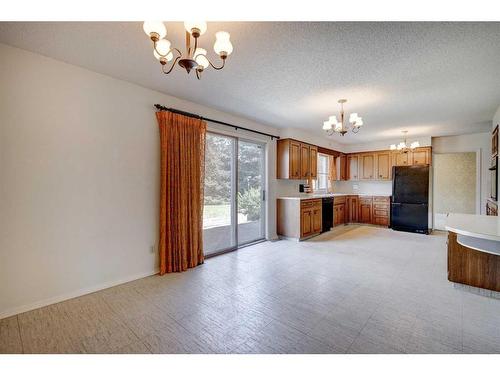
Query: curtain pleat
[[182, 142]]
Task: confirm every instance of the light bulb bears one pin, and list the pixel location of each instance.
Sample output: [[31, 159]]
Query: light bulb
[[155, 27], [359, 121], [333, 119], [327, 125], [200, 56], [163, 46], [200, 25], [353, 117], [222, 44], [414, 144], [393, 147]]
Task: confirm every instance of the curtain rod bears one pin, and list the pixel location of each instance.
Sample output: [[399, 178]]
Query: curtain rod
[[160, 107]]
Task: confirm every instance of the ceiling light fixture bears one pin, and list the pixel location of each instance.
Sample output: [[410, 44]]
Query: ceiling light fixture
[[332, 125], [403, 146], [195, 57]]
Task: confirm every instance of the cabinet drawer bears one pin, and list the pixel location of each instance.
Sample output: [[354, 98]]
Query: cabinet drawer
[[381, 221], [365, 200], [380, 213], [381, 199], [310, 203], [339, 200], [380, 206]]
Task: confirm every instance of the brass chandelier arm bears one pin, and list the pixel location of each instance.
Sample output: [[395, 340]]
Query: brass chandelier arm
[[217, 67], [171, 66]]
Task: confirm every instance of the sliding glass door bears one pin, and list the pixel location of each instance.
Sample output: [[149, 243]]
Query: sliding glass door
[[234, 211], [251, 208]]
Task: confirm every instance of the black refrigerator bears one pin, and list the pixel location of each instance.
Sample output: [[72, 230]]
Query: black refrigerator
[[410, 199]]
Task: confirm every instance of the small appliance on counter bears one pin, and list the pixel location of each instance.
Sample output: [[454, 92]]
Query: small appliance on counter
[[305, 188], [410, 199]]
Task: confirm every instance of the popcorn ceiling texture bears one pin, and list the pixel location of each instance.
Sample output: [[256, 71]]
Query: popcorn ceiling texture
[[432, 79]]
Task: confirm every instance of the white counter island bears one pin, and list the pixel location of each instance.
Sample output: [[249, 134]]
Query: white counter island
[[474, 250]]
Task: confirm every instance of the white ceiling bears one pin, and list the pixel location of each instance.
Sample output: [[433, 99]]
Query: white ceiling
[[429, 78]]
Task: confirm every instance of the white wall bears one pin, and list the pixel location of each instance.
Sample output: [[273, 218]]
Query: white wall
[[479, 143], [79, 179]]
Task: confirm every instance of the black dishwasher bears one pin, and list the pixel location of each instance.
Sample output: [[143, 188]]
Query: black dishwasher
[[327, 214]]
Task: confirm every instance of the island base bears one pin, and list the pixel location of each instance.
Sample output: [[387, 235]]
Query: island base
[[472, 267]]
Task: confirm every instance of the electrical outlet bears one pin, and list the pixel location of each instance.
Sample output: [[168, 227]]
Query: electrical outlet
[[355, 187]]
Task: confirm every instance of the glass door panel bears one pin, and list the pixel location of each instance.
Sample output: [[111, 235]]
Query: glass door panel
[[251, 208], [219, 212]]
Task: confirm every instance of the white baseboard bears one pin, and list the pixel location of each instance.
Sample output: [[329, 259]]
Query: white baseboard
[[74, 294]]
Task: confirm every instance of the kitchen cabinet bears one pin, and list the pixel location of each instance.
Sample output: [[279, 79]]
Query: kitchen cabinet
[[381, 210], [400, 159], [365, 210], [305, 161], [313, 161], [296, 160], [339, 211], [383, 166], [420, 156], [352, 209], [352, 167], [367, 166], [338, 214], [341, 168], [297, 218]]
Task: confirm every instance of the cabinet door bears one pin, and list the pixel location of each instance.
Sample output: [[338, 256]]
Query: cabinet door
[[313, 155], [367, 163], [352, 167], [341, 165], [420, 157], [342, 214], [305, 161], [306, 224], [339, 213], [383, 166], [401, 158], [353, 209], [317, 220], [365, 213], [294, 160]]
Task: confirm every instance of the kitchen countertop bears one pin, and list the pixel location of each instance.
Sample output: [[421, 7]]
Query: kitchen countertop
[[303, 196], [479, 232]]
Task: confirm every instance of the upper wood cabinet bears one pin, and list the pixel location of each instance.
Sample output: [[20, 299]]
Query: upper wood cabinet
[[352, 167], [296, 160], [341, 167], [313, 156], [420, 156], [305, 160], [367, 166], [383, 166], [400, 159]]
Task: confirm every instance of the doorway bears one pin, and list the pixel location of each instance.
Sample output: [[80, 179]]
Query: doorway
[[234, 209], [455, 185]]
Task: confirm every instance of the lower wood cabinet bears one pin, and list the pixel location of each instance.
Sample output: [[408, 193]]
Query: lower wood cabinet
[[299, 218], [365, 210], [352, 209]]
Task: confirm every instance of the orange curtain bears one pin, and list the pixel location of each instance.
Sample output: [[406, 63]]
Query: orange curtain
[[182, 182]]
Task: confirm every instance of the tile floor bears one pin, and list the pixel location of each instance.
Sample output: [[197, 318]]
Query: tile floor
[[357, 289]]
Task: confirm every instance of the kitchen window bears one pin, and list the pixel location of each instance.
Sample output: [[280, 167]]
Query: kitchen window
[[321, 183]]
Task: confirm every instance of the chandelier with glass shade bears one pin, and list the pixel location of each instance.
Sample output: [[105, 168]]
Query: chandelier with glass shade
[[194, 57], [403, 146], [332, 125]]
